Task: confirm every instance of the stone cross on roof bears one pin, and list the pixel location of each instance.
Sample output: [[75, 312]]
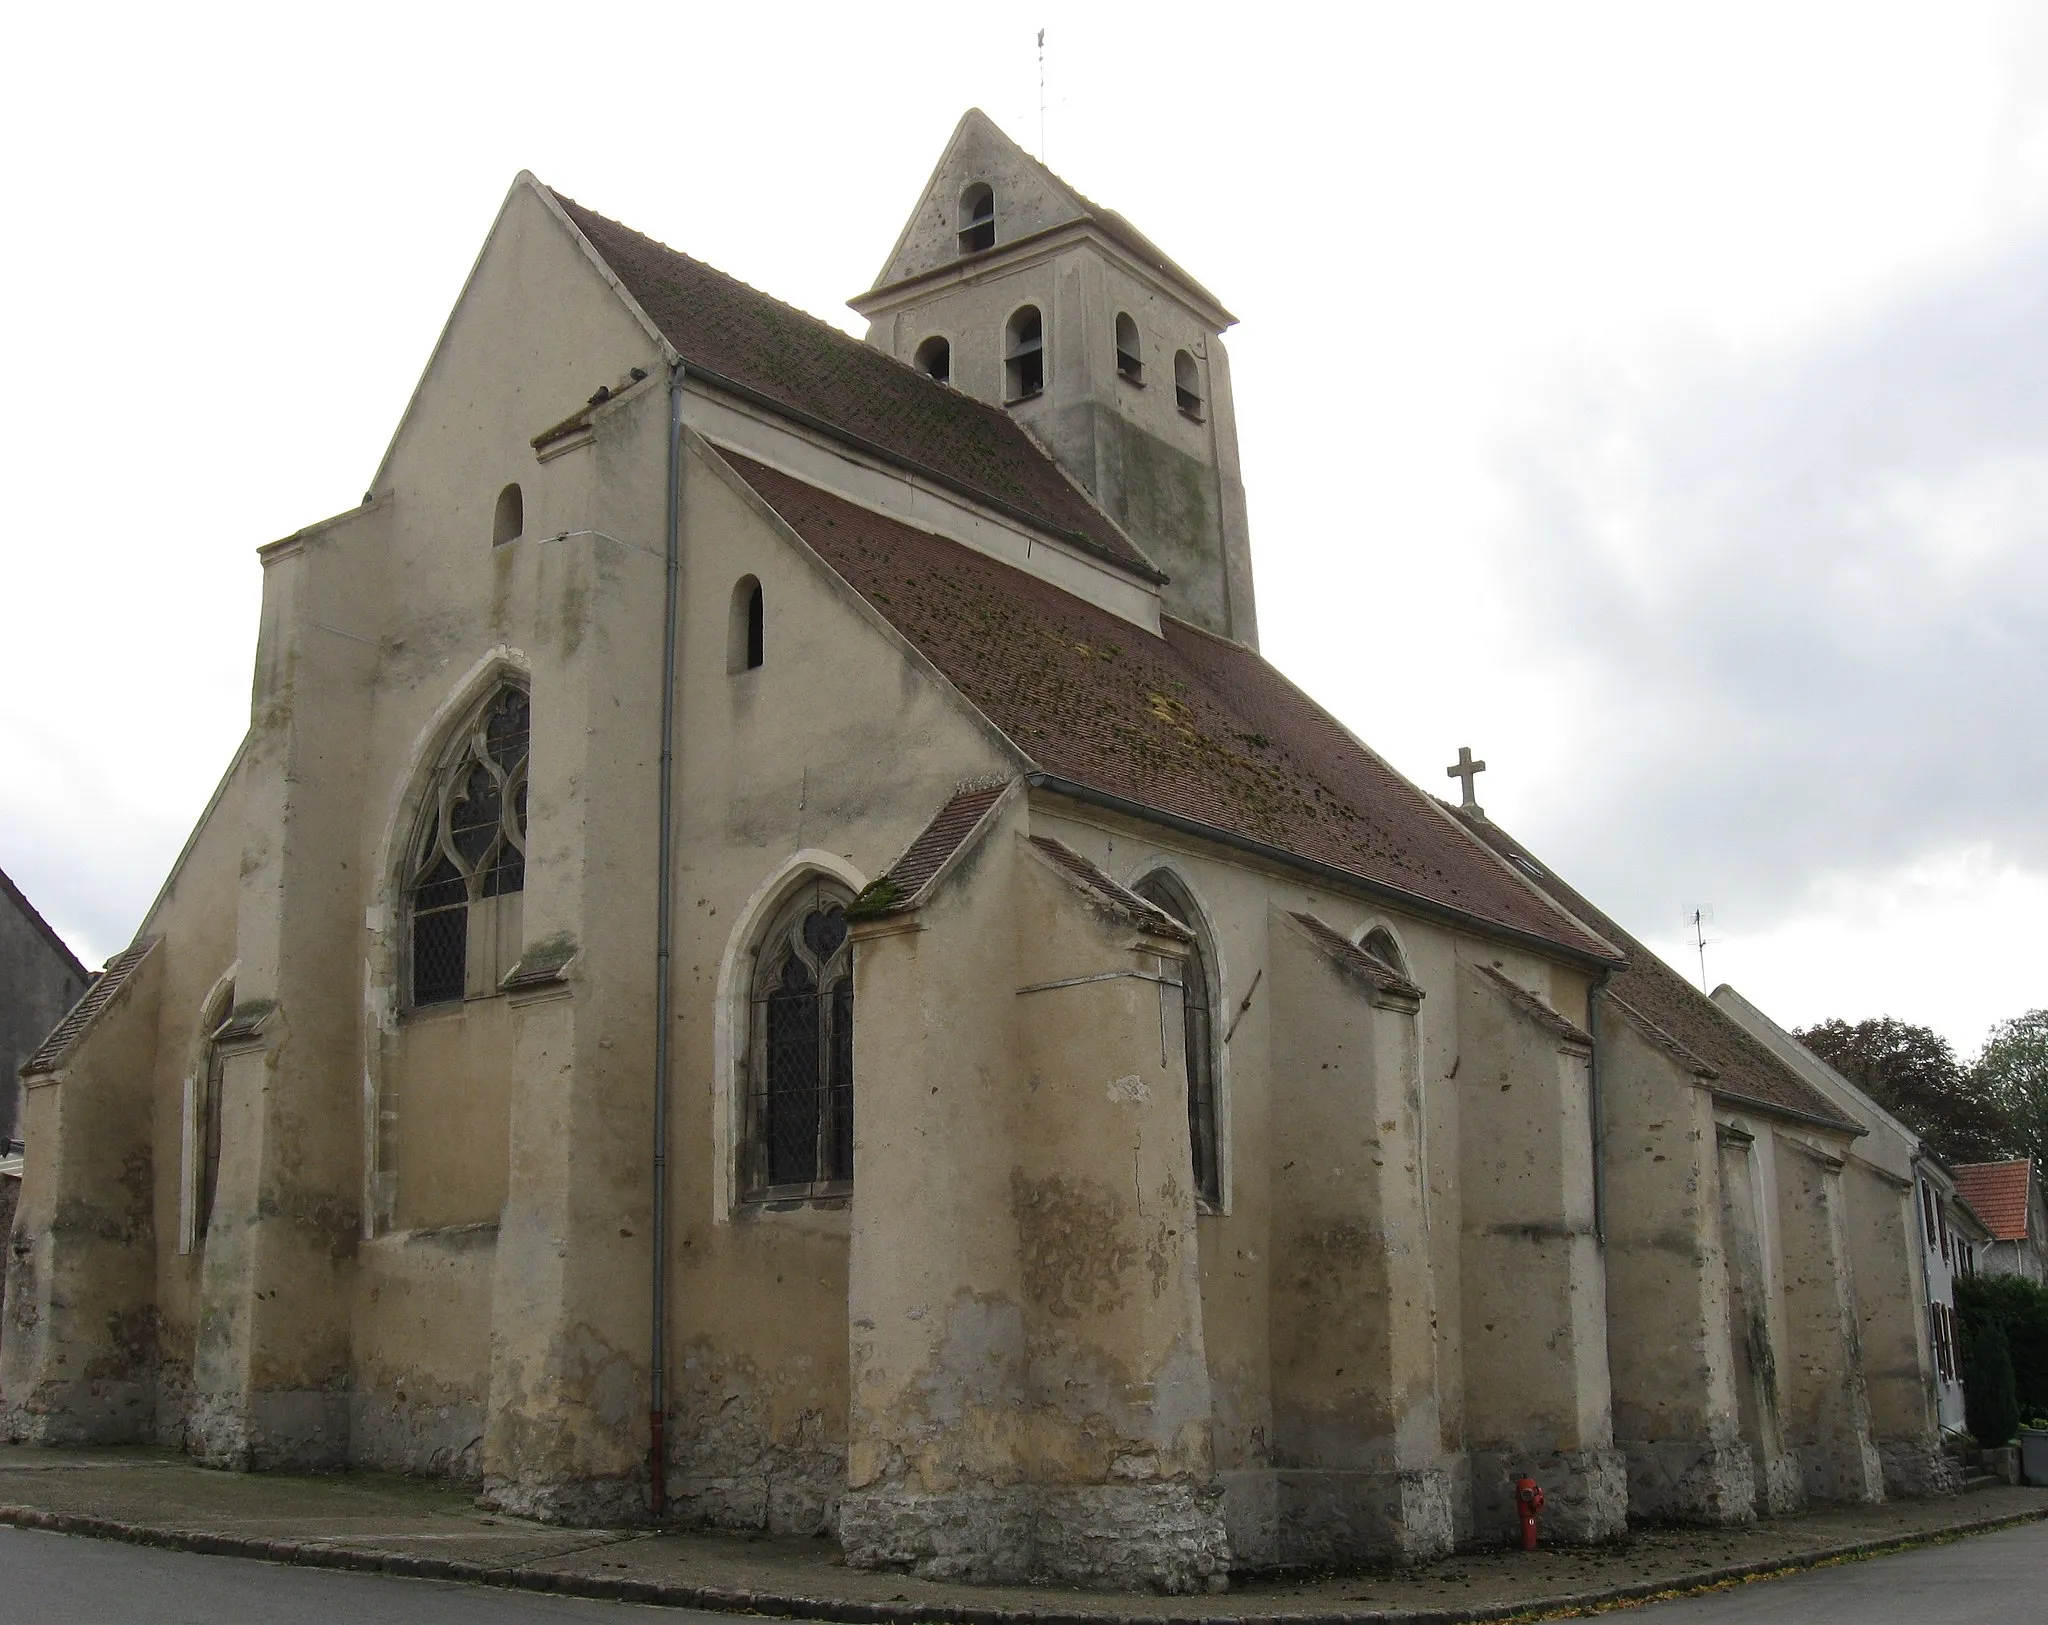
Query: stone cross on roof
[[1466, 769]]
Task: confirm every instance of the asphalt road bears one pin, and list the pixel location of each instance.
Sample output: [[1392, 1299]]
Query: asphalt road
[[64, 1580], [1996, 1579]]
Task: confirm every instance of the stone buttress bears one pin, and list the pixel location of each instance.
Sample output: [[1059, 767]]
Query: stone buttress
[[1030, 1392]]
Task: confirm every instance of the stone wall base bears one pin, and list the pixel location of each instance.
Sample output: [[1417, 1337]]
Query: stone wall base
[[1297, 1517], [1780, 1487], [433, 1434], [1916, 1464], [594, 1503], [1691, 1481], [1167, 1535], [1844, 1470], [83, 1413], [302, 1430], [1585, 1494]]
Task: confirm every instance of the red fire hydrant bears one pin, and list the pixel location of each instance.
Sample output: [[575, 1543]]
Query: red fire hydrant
[[1528, 1502]]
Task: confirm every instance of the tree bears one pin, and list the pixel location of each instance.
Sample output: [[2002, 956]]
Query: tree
[[1991, 1409], [1913, 1074], [2012, 1073], [2018, 1309]]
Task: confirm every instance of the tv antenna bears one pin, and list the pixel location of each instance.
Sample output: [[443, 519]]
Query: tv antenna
[[1041, 95], [1700, 940]]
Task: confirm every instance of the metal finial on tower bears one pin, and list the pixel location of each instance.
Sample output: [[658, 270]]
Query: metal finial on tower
[[1041, 95], [1466, 769]]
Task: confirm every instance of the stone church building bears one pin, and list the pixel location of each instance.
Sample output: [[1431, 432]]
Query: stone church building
[[772, 922]]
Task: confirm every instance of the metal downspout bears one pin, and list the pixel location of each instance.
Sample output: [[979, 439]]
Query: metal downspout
[[1598, 1103], [664, 933]]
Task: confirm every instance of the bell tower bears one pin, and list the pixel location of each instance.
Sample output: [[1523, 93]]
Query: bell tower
[[1010, 286]]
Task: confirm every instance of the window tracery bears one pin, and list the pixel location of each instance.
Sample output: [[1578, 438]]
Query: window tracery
[[799, 1139], [469, 861]]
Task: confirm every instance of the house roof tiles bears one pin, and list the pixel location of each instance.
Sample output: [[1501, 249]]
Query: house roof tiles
[[1997, 1193], [1185, 723]]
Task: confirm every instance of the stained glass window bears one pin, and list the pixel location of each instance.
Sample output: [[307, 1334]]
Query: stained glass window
[[800, 1076], [469, 862]]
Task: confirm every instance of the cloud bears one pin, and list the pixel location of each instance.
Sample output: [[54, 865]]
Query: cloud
[[1805, 590]]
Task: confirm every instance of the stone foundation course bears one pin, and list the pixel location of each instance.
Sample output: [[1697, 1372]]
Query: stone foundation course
[[157, 1498]]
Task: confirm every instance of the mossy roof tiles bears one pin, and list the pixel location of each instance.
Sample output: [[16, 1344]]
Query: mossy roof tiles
[[792, 360], [1189, 724]]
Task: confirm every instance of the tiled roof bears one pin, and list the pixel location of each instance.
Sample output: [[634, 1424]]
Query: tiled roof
[[1663, 1040], [1997, 1194], [1187, 724], [1098, 885], [51, 1052], [1549, 1019], [810, 369], [951, 828], [1745, 1071], [1356, 959]]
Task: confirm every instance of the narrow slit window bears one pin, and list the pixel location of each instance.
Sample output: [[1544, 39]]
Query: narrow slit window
[[1130, 362], [1024, 356], [509, 524], [977, 218], [746, 638], [1187, 385], [935, 359]]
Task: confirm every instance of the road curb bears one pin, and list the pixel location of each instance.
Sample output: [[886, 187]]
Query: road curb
[[849, 1611]]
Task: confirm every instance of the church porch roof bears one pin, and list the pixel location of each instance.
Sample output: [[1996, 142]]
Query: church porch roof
[[1187, 725]]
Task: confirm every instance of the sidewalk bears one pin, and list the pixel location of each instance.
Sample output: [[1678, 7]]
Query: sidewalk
[[424, 1529]]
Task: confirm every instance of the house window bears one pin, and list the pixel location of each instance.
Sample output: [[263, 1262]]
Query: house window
[[1198, 1005], [977, 218], [1130, 362], [1187, 385], [799, 1138], [935, 359], [1024, 357], [469, 860], [746, 631], [510, 520]]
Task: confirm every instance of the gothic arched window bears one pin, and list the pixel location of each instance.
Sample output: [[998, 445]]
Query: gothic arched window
[[1024, 356], [1199, 994], [799, 1139], [468, 863], [977, 218], [1380, 943]]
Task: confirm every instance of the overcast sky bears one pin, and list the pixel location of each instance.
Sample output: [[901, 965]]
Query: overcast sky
[[1652, 397]]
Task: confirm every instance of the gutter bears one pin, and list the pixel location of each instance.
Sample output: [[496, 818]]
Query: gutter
[[1329, 873], [664, 938]]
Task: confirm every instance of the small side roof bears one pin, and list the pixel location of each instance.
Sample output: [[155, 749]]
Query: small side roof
[[907, 881], [1998, 1193], [106, 987]]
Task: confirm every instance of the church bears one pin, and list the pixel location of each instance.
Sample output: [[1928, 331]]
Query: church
[[774, 957]]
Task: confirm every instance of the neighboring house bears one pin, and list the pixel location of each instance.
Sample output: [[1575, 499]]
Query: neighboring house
[[1891, 1153], [40, 979], [2008, 1197], [1049, 1102]]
